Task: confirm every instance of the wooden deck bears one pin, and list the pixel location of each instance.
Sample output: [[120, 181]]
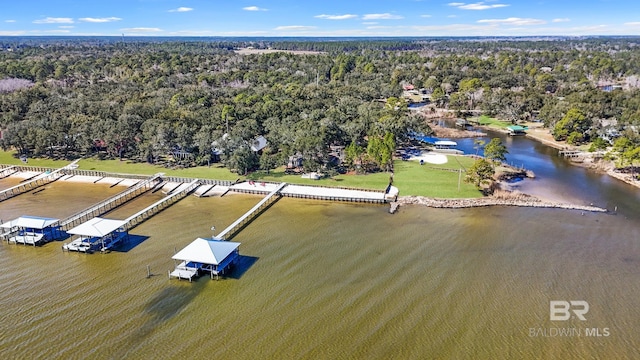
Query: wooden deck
[[183, 272]]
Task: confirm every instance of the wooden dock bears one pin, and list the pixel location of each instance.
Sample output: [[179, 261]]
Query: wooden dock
[[315, 192], [35, 182], [248, 216], [111, 203], [142, 215]]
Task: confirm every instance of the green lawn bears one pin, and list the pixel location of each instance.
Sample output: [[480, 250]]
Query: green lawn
[[409, 176], [491, 122]]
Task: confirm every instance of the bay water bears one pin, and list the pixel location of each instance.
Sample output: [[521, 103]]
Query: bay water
[[326, 280]]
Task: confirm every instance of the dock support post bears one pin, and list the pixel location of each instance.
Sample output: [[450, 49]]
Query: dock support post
[[148, 271]]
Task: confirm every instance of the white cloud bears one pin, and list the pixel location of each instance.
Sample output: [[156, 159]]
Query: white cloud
[[52, 20], [253, 8], [141, 30], [181, 9], [66, 27], [370, 23], [385, 16], [12, 33], [477, 6], [100, 20], [294, 28], [425, 16], [513, 21], [561, 20], [336, 17], [633, 23], [9, 21]]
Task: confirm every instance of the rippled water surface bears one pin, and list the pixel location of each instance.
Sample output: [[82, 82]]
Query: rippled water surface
[[324, 280]]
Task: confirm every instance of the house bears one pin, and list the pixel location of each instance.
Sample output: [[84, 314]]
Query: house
[[295, 161]]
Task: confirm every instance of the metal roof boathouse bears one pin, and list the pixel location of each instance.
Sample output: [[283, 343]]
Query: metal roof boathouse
[[31, 230], [97, 234], [215, 257]]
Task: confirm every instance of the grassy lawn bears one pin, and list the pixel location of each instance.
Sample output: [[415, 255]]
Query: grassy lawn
[[492, 122], [125, 167], [410, 177]]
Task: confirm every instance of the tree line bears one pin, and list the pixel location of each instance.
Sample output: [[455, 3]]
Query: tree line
[[145, 99]]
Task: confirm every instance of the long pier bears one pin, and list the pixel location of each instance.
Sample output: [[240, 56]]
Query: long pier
[[244, 219], [111, 203], [142, 215], [36, 182]]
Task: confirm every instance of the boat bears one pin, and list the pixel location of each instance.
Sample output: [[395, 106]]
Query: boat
[[80, 244]]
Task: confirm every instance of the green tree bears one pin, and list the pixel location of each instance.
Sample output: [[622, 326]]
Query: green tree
[[495, 150], [573, 121], [480, 173]]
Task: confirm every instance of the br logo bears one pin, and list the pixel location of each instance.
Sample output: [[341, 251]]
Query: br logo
[[560, 310]]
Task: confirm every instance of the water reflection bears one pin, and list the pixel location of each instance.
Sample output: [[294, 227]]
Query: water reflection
[[556, 178]]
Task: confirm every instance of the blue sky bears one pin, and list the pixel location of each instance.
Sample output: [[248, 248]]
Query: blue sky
[[319, 18]]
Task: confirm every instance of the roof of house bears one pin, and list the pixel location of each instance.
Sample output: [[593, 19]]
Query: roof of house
[[97, 227], [258, 143], [516, 128], [206, 251], [33, 222]]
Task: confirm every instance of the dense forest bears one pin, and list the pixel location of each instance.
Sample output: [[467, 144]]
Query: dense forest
[[198, 101]]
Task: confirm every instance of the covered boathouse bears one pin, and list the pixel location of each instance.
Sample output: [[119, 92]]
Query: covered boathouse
[[215, 257], [97, 234], [516, 130], [31, 230]]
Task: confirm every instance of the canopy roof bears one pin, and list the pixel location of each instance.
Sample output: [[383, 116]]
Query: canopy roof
[[33, 222], [516, 128], [206, 251], [446, 143], [97, 227]]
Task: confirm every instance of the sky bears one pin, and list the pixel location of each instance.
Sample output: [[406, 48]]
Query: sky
[[319, 18]]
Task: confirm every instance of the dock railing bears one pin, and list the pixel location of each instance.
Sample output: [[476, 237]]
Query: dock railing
[[142, 215], [248, 216], [35, 182], [111, 203]]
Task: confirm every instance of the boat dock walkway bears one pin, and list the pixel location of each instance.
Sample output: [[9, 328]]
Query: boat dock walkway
[[35, 182], [244, 219], [177, 194], [8, 171], [313, 192], [112, 202]]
